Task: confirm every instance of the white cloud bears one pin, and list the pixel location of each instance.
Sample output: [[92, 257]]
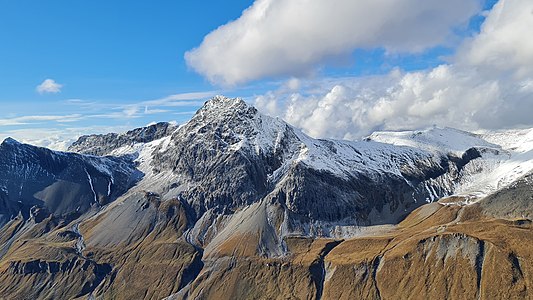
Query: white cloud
[[488, 85], [180, 99], [275, 37], [152, 111], [49, 86], [355, 107], [23, 120], [505, 43]]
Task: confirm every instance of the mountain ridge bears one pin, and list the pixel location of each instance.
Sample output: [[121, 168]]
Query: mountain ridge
[[234, 192]]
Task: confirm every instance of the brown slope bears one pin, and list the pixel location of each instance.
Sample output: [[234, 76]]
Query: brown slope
[[437, 252]]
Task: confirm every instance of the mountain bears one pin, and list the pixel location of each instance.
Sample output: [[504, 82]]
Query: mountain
[[64, 185], [236, 204], [103, 144]]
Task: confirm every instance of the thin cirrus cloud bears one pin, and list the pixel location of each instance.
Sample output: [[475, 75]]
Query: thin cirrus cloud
[[179, 99], [49, 86], [488, 84], [137, 109], [25, 120], [292, 38], [102, 110]]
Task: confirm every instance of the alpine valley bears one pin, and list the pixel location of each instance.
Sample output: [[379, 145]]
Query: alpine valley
[[238, 205]]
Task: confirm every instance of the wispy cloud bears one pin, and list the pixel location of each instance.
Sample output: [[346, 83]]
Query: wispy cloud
[[184, 113], [57, 131], [171, 105], [159, 105], [179, 99], [49, 86], [24, 120], [153, 111]]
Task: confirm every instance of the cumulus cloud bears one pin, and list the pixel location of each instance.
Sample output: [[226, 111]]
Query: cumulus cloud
[[355, 107], [488, 84], [275, 37], [504, 43], [49, 86]]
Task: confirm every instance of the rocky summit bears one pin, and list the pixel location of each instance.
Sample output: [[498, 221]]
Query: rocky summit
[[238, 205]]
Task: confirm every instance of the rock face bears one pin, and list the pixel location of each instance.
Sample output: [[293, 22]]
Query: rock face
[[512, 202], [104, 144], [35, 181], [230, 156], [238, 205]]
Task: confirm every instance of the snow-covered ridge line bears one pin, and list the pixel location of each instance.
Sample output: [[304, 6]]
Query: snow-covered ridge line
[[235, 170], [507, 155], [434, 139]]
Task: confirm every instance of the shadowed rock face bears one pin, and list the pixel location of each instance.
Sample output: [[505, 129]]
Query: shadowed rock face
[[237, 205], [315, 195], [35, 181]]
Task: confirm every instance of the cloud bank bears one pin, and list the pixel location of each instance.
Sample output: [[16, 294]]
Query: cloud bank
[[488, 84], [275, 37]]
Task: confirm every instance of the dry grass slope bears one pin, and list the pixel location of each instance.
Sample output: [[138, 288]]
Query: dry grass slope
[[438, 252]]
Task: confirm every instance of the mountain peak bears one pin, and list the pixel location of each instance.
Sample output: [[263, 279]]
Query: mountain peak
[[222, 104], [224, 111], [221, 101], [10, 141]]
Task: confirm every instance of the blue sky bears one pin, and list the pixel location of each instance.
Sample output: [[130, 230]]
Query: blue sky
[[109, 53], [113, 52], [124, 64], [105, 49]]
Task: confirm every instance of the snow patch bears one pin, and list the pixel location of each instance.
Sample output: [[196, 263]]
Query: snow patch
[[89, 178]]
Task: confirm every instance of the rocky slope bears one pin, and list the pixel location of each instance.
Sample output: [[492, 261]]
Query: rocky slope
[[235, 204], [104, 144], [36, 182]]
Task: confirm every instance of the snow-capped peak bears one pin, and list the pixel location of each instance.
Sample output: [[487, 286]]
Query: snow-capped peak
[[228, 125], [221, 103]]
